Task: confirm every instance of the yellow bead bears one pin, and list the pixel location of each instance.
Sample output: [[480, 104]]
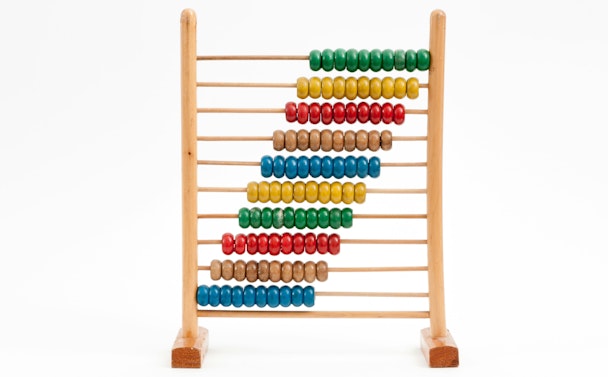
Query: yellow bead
[[327, 87], [412, 88], [312, 191], [252, 192], [336, 192], [348, 192], [299, 191], [324, 192], [375, 88], [388, 87], [275, 191], [363, 87], [360, 192], [302, 85], [287, 192], [263, 191], [400, 87], [314, 87], [351, 88], [339, 87]]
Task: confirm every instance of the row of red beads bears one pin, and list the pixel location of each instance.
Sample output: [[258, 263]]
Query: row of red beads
[[285, 243], [340, 112]]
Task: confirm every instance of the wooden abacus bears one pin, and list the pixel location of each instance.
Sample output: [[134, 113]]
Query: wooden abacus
[[437, 344]]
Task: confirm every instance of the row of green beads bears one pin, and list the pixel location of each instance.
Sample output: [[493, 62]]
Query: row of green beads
[[300, 218], [375, 60]]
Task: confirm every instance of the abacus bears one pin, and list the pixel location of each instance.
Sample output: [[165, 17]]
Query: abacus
[[292, 230]]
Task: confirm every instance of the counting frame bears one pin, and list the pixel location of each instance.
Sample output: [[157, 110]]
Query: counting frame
[[190, 346]]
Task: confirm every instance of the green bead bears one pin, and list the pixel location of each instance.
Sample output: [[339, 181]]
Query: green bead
[[410, 60], [335, 218], [364, 60], [340, 59], [388, 60], [347, 217], [277, 218], [289, 219], [244, 217], [323, 217], [399, 60], [327, 59], [314, 59], [300, 217], [424, 59], [312, 219], [375, 57], [352, 60], [266, 218], [255, 217]]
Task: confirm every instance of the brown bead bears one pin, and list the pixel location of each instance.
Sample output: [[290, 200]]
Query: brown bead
[[326, 140], [298, 271], [303, 137], [322, 272], [291, 140], [362, 137], [350, 140], [239, 270], [227, 269], [216, 269], [338, 140], [275, 271], [263, 270], [278, 140], [310, 271], [314, 140], [386, 140], [286, 272], [373, 140], [251, 271]]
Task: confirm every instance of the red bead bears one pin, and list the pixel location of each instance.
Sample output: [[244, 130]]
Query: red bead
[[298, 243], [310, 243], [274, 244], [290, 111], [252, 243], [351, 112], [339, 112], [363, 112], [314, 113], [399, 114], [334, 244], [286, 243], [302, 112], [262, 243], [227, 243], [387, 113], [240, 243], [327, 113], [375, 113], [322, 243]]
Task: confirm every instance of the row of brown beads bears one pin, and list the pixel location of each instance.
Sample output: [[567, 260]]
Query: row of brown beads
[[273, 271], [328, 140]]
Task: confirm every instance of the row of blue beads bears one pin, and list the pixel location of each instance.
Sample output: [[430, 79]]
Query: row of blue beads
[[261, 296], [315, 166]]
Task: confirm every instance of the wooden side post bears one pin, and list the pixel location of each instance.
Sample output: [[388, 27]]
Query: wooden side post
[[191, 343], [436, 343]]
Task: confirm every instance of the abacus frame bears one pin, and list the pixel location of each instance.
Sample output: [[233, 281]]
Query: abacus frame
[[191, 343]]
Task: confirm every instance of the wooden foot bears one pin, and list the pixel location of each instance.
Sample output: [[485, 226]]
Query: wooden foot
[[439, 352], [190, 352]]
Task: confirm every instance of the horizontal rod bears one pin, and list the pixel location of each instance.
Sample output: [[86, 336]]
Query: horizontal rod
[[269, 138], [252, 57], [369, 191], [255, 163], [260, 110], [347, 241], [371, 294], [312, 314], [355, 216], [224, 84], [358, 269]]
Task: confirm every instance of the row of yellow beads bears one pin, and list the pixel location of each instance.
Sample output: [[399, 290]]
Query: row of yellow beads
[[310, 191], [363, 87]]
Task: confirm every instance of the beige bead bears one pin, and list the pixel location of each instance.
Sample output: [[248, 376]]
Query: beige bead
[[227, 269], [263, 270], [251, 271], [350, 140], [278, 140], [310, 271], [338, 140], [362, 140], [314, 140], [275, 271], [326, 140], [298, 271], [239, 270], [216, 269], [291, 140], [303, 137], [373, 140], [286, 271], [322, 272], [386, 140]]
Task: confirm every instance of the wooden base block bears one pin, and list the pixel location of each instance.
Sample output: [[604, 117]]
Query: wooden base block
[[439, 352], [190, 352]]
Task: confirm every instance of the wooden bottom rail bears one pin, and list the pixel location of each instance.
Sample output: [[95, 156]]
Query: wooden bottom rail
[[311, 314]]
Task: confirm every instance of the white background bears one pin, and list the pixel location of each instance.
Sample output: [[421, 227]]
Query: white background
[[90, 187]]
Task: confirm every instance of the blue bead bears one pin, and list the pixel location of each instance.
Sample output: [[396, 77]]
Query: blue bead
[[338, 167], [226, 295], [291, 167], [374, 167], [315, 166], [303, 166], [202, 295], [297, 295], [309, 296], [273, 296], [214, 295], [278, 167], [249, 296], [362, 167], [285, 296], [327, 167], [261, 296], [266, 166], [237, 296], [350, 166]]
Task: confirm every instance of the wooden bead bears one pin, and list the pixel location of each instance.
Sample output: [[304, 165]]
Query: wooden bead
[[352, 60], [388, 87], [400, 87], [327, 87], [312, 191], [291, 140], [373, 140], [310, 271], [363, 112], [375, 60], [314, 60], [387, 113], [327, 113], [314, 113], [215, 269], [302, 87], [322, 243], [423, 59], [263, 191], [412, 88], [375, 88], [362, 140], [333, 244], [351, 112], [339, 110], [314, 140], [360, 192], [324, 193], [297, 272], [302, 112], [286, 272], [278, 140], [240, 243], [239, 270], [322, 272], [274, 244], [262, 243], [326, 140], [274, 271], [252, 192], [299, 192], [375, 113], [287, 192], [327, 59], [336, 192], [227, 269], [363, 87], [388, 60], [227, 243], [251, 271], [298, 243], [386, 140], [291, 112], [348, 192], [275, 191], [339, 87], [310, 243], [303, 139], [350, 140], [399, 114], [340, 59], [314, 87], [263, 270], [351, 88], [338, 140]]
